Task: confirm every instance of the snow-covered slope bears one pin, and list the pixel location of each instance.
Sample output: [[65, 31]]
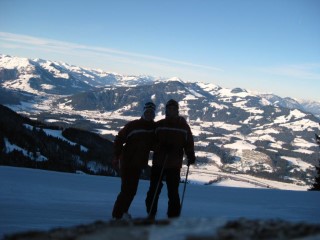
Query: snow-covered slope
[[33, 199], [235, 131]]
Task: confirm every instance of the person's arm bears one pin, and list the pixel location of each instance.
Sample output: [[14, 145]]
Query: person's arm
[[189, 147], [118, 143]]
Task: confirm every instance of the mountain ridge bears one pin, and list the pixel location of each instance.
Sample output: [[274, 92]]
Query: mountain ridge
[[236, 131]]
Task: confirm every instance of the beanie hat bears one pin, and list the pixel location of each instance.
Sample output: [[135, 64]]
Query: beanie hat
[[172, 102], [149, 105]]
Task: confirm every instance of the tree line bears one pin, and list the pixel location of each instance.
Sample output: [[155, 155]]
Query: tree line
[[24, 143]]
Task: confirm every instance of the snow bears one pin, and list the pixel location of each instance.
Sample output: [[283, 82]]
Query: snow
[[297, 114], [11, 147], [294, 114], [190, 97], [298, 162], [230, 127], [47, 86], [210, 87], [303, 151], [58, 134], [266, 130], [300, 125], [56, 73], [229, 182], [262, 137], [13, 62], [217, 106], [107, 131], [240, 145], [265, 102], [276, 145], [298, 141], [34, 199], [226, 92], [196, 95], [172, 79]]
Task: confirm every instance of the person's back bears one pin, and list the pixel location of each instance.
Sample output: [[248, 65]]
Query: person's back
[[131, 153], [173, 139], [133, 143]]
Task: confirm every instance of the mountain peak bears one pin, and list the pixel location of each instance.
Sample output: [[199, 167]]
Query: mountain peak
[[173, 79], [9, 62]]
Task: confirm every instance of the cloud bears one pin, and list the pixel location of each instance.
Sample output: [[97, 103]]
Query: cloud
[[28, 42]]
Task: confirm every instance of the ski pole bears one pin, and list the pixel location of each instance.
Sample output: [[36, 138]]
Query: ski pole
[[160, 180], [184, 188]]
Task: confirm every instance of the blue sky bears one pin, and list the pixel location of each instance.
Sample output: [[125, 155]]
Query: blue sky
[[268, 46]]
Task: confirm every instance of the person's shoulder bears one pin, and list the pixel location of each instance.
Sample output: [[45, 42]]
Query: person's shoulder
[[182, 120], [134, 122], [161, 121]]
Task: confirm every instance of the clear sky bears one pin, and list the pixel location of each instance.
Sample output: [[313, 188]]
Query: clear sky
[[263, 45]]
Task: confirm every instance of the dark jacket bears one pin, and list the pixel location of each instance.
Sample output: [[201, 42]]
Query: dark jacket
[[134, 142], [173, 139]]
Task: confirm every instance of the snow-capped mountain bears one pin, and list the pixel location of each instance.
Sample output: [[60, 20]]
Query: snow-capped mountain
[[282, 102], [311, 106], [39, 76], [238, 134], [305, 105]]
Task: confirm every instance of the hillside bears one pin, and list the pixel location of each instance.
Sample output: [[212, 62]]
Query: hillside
[[28, 143]]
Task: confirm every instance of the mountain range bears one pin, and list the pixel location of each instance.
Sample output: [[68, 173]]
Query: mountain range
[[238, 134]]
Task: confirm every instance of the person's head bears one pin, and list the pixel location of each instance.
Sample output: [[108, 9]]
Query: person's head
[[149, 111], [172, 109]]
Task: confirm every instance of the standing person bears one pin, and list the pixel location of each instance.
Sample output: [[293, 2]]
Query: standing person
[[132, 146], [173, 139]]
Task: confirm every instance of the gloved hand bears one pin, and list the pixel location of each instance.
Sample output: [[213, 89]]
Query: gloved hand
[[191, 160], [116, 163]]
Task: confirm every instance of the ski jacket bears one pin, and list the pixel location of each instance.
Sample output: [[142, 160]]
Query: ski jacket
[[173, 139], [133, 143]]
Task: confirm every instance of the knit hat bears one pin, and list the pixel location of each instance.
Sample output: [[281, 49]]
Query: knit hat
[[172, 102], [149, 105]]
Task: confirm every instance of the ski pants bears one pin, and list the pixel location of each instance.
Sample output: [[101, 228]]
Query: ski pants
[[172, 178], [129, 185]]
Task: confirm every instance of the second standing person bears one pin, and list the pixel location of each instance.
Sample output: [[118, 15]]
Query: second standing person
[[173, 140]]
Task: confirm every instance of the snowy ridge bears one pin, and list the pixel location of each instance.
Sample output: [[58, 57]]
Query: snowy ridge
[[39, 69], [237, 131]]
